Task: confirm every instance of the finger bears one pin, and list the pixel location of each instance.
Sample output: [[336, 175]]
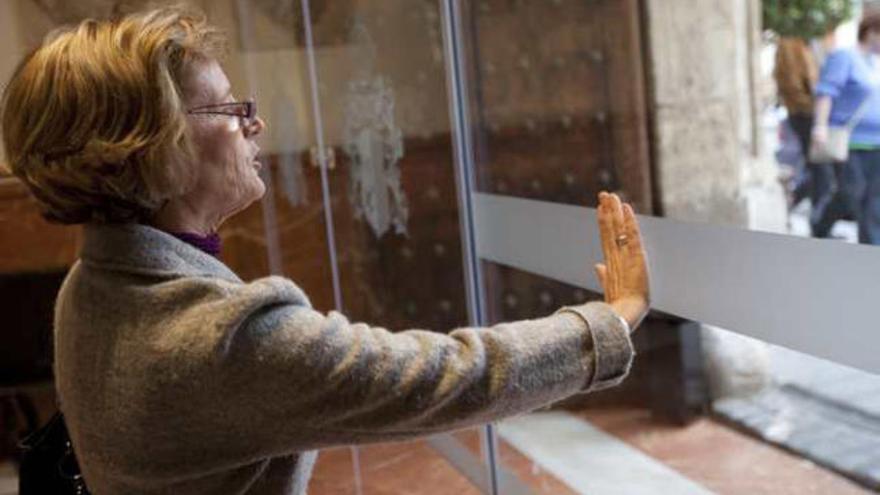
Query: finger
[[606, 224], [631, 227], [636, 255], [606, 230], [602, 274], [616, 207], [615, 214]]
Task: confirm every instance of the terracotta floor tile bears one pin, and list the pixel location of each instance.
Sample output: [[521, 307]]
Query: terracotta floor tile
[[721, 458], [539, 481], [712, 454], [389, 469]]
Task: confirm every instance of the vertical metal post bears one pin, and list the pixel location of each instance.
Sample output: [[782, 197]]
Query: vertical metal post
[[325, 194], [460, 129], [322, 154]]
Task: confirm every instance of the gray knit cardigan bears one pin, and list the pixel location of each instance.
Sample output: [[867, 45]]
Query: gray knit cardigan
[[176, 377]]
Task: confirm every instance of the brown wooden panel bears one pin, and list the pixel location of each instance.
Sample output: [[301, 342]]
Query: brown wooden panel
[[559, 98], [29, 243]]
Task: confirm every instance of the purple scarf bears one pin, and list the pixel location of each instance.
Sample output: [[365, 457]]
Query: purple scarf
[[208, 243]]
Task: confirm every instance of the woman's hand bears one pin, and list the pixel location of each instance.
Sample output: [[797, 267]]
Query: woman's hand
[[819, 135], [624, 275], [821, 113]]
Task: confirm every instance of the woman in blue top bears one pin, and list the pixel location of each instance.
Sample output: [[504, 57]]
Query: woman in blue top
[[849, 78]]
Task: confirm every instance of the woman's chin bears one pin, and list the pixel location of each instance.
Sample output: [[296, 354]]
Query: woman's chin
[[256, 193], [259, 189], [258, 186]]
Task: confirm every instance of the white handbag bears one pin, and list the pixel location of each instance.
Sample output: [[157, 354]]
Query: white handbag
[[836, 148]]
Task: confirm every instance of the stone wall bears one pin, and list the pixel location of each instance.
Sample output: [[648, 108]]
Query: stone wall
[[710, 161]]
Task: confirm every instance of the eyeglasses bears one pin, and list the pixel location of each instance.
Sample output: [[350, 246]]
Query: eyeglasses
[[244, 110]]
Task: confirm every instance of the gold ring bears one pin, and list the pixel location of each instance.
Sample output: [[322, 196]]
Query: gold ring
[[622, 240]]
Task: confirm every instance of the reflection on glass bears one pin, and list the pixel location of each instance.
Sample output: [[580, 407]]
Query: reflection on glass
[[381, 89], [569, 98], [558, 101], [665, 102], [381, 80]]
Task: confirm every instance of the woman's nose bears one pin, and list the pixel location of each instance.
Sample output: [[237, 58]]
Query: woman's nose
[[255, 127]]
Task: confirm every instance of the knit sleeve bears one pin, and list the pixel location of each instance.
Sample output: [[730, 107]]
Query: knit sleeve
[[289, 377]]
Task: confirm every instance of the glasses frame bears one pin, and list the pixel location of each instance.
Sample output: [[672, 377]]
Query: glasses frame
[[246, 110]]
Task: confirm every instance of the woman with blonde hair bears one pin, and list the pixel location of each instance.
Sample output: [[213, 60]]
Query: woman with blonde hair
[[173, 374]]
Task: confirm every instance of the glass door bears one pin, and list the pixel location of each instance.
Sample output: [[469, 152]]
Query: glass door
[[563, 99], [432, 165], [373, 176], [555, 108]]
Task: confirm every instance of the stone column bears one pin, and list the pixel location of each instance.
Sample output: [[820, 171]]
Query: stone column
[[711, 162]]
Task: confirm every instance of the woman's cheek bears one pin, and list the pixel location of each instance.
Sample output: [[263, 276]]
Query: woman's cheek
[[212, 142], [245, 180], [234, 176], [233, 126]]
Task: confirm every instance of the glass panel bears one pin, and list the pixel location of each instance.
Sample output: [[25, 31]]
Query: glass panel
[[284, 233], [388, 153], [404, 467], [616, 95], [559, 85], [390, 176], [568, 98], [759, 396], [24, 23]]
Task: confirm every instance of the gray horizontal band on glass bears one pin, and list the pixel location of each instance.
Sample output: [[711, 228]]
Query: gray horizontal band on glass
[[815, 296]]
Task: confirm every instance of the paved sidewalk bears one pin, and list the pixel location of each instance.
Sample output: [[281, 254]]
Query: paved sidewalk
[[821, 410]]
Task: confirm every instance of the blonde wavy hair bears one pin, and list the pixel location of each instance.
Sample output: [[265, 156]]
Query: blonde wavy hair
[[94, 120]]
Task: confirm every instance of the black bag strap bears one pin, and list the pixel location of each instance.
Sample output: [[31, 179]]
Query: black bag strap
[[43, 434], [49, 462]]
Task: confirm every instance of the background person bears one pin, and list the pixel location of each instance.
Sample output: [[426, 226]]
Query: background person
[[849, 78], [796, 73]]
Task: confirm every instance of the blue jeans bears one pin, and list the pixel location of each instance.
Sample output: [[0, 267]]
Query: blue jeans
[[817, 188], [830, 202], [857, 190], [861, 181]]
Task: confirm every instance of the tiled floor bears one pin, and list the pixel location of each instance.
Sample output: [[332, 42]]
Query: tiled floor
[[852, 388], [416, 468], [831, 434], [720, 458], [708, 453], [590, 460], [401, 468]]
